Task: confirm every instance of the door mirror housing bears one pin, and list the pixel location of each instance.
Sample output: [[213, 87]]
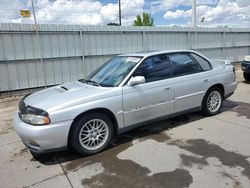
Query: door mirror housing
[[136, 80]]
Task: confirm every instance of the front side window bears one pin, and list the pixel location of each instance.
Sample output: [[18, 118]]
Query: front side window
[[114, 71], [154, 68], [184, 64]]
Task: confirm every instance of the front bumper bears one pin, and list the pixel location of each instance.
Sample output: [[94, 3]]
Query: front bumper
[[44, 138]]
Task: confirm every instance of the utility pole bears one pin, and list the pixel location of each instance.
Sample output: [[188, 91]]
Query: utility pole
[[39, 44], [194, 13], [34, 13], [120, 16]]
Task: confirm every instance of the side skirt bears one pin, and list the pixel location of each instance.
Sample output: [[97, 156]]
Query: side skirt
[[128, 128]]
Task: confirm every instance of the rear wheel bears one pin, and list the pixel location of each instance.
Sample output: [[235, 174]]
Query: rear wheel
[[246, 76], [212, 101], [91, 134]]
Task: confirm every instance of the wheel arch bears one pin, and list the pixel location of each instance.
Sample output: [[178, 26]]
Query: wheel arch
[[220, 86], [204, 107], [105, 111]]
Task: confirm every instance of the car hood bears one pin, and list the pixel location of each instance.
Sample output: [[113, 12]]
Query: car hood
[[66, 95]]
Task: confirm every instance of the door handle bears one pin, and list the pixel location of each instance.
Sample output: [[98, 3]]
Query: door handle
[[206, 80], [167, 88]]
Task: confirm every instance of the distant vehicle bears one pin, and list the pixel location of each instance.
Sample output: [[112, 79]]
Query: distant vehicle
[[245, 66], [127, 91]]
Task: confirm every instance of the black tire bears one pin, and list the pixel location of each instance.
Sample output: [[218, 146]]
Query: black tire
[[77, 126], [205, 108], [246, 76]]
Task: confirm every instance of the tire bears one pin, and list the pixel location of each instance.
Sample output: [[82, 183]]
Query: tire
[[246, 76], [214, 96], [91, 129]]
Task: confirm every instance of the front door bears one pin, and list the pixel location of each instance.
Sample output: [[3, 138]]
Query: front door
[[153, 99]]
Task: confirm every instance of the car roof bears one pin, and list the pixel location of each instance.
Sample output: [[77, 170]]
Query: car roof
[[154, 52]]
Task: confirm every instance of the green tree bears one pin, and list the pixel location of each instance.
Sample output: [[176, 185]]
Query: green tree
[[144, 20]]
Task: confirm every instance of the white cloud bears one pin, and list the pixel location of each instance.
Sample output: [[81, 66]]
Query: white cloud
[[63, 11], [7, 10], [170, 4], [230, 12], [73, 12], [176, 14], [242, 2], [109, 12], [226, 12], [129, 11]]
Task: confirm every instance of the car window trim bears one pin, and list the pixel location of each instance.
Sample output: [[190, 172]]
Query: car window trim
[[187, 53], [196, 61], [201, 58], [143, 60], [126, 80]]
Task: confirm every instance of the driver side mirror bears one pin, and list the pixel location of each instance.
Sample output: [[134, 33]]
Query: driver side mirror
[[136, 80]]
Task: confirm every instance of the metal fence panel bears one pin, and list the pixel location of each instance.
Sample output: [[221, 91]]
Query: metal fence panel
[[70, 52]]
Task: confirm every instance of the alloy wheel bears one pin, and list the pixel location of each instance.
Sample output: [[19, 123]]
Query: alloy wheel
[[214, 101], [93, 134]]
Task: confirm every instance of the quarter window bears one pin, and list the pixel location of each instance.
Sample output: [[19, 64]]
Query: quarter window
[[154, 68], [203, 62], [183, 64]]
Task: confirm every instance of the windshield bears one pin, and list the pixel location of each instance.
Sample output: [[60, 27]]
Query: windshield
[[113, 71]]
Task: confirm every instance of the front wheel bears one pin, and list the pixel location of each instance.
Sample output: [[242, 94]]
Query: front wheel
[[91, 134], [212, 101], [246, 76]]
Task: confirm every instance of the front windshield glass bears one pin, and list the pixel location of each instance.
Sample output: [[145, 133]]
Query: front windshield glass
[[113, 71]]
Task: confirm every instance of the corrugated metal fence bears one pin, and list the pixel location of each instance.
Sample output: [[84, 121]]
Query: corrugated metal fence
[[69, 52]]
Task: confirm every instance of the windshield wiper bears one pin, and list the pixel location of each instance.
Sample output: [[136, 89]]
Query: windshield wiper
[[82, 80], [89, 82]]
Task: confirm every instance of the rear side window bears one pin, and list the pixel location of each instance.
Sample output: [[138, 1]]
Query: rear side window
[[184, 64], [203, 62], [155, 68]]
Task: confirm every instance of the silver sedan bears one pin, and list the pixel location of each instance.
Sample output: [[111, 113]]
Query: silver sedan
[[127, 91]]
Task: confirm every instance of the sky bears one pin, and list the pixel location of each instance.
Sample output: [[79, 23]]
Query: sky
[[231, 13]]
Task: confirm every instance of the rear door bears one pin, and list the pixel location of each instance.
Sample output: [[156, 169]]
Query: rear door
[[153, 99], [191, 80]]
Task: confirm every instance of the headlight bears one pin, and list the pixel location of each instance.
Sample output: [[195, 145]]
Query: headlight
[[35, 119]]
